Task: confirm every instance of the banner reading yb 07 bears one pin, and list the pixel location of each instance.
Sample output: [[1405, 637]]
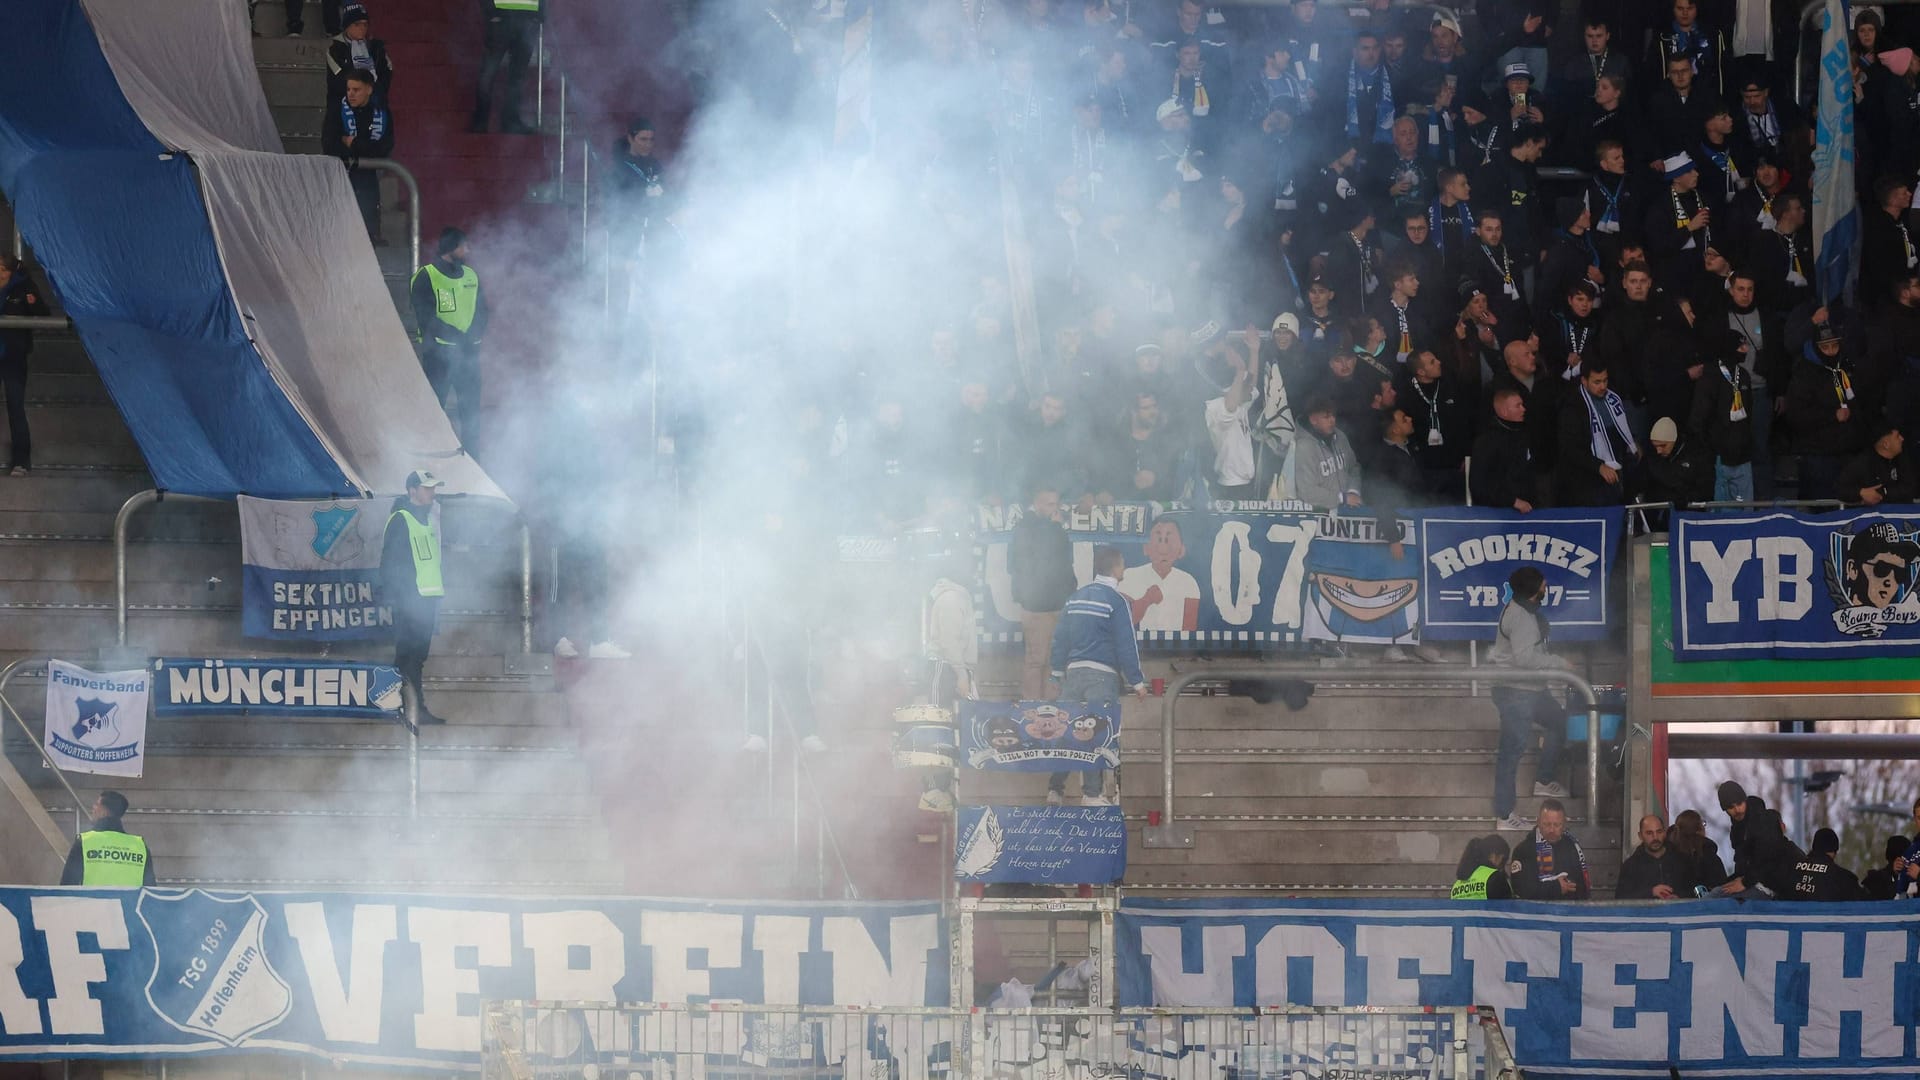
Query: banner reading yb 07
[[397, 980]]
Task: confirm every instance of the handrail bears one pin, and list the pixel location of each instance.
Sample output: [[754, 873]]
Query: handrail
[[138, 499], [35, 811], [35, 322], [753, 646], [1165, 834], [413, 202]]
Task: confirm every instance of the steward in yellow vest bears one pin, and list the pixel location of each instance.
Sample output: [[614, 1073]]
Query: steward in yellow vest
[[412, 581], [106, 854], [1481, 874], [450, 320]]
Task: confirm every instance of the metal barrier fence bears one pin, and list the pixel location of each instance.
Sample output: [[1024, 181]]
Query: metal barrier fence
[[533, 1040]]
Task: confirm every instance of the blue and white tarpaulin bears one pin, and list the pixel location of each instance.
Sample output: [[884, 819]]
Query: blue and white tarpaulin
[[1040, 845], [1712, 988], [397, 980], [96, 723], [1039, 736], [1796, 585], [310, 571], [310, 688], [1470, 553]]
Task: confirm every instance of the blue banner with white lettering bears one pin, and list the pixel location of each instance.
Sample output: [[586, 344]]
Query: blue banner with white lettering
[[310, 570], [1796, 586], [1040, 736], [397, 980], [309, 688], [1706, 987], [1245, 574], [1040, 845], [1470, 552]]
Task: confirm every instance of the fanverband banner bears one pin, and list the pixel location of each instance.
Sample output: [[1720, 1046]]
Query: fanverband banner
[[1712, 988], [1796, 586], [397, 980]]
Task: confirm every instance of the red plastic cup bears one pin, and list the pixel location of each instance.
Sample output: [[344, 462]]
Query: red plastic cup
[[1153, 818], [1159, 687]]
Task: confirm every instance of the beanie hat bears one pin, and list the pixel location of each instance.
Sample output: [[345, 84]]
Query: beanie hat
[[1731, 794], [352, 13]]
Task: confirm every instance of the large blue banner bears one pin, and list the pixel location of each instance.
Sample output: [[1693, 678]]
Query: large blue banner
[[1796, 586], [1709, 987], [397, 980], [1470, 553], [310, 688], [1246, 574]]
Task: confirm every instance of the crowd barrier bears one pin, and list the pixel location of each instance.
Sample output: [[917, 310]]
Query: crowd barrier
[[722, 1041]]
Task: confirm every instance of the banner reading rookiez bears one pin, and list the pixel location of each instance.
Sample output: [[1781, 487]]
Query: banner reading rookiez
[[96, 723]]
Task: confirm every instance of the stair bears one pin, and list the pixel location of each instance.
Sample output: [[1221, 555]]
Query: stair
[[505, 805]]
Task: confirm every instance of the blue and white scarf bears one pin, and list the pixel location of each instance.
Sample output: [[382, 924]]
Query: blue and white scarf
[[376, 121], [1436, 225], [1616, 412], [1382, 114]]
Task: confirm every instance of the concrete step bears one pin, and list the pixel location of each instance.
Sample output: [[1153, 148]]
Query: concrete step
[[570, 807], [303, 118], [526, 723], [413, 871], [273, 47], [292, 83], [42, 632], [273, 843], [328, 774]]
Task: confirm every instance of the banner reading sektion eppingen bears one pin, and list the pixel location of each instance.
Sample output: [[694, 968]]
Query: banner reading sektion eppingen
[[1796, 586], [396, 980], [310, 570], [1727, 988]]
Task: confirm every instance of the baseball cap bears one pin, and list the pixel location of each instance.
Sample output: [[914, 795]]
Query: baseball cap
[[1882, 536], [1518, 71], [1289, 322], [1826, 332], [424, 479], [1442, 18]]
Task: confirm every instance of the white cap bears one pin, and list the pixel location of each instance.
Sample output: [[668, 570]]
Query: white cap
[[424, 479], [1518, 71], [1289, 322], [1442, 18]]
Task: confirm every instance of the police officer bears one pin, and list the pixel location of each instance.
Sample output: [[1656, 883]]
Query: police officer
[[107, 854], [513, 33], [411, 581], [1817, 877], [450, 312], [1478, 876]]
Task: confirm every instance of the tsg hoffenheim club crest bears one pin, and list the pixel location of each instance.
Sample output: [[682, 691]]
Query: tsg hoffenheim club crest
[[211, 976], [333, 528]]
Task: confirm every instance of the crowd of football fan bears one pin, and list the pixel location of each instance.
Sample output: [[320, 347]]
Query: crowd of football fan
[[1309, 253]]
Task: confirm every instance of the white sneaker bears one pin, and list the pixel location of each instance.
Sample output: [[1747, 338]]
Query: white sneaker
[[1429, 654], [813, 744], [1056, 798], [565, 650], [1513, 823], [608, 650], [1095, 800], [755, 744], [1394, 654], [1551, 790], [936, 800]]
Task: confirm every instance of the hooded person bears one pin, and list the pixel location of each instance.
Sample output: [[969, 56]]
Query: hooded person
[[1571, 258]]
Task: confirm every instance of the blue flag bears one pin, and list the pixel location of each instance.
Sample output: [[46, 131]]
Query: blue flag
[[1836, 217]]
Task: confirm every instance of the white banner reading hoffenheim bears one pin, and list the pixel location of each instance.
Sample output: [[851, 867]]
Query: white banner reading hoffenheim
[[96, 723]]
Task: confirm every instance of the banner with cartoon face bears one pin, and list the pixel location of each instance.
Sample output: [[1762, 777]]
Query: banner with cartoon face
[[1040, 736], [1790, 586], [96, 723]]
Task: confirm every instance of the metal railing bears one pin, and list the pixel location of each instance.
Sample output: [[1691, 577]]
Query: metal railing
[[825, 840], [123, 519], [34, 810], [535, 1039], [1638, 524], [413, 203], [1169, 833]]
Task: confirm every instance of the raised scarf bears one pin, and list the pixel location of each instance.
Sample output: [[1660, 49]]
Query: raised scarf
[[1617, 413], [1383, 112]]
